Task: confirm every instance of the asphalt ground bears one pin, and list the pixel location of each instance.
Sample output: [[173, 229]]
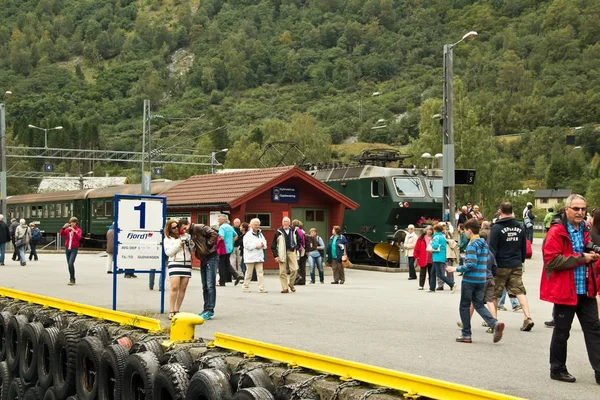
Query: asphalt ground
[[375, 318]]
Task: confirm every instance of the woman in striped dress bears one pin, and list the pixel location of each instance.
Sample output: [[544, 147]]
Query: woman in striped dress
[[179, 262]]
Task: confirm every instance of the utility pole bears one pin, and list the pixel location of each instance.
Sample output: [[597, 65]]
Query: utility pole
[[448, 135], [3, 157], [146, 146]]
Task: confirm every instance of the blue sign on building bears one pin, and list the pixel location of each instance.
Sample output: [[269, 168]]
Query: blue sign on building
[[284, 194]]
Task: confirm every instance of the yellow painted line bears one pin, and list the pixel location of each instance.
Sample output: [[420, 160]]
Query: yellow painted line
[[412, 384], [149, 324]]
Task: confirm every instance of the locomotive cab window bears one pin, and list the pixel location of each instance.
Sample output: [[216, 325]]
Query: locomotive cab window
[[378, 188], [408, 187], [434, 187]]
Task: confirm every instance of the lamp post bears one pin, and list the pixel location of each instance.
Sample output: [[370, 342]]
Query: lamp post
[[213, 160], [437, 156], [448, 127], [3, 156], [45, 132]]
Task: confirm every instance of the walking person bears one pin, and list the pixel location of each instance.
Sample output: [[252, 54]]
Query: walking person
[[284, 248], [255, 245], [302, 255], [315, 247], [110, 248], [528, 219], [4, 238], [205, 249], [244, 228], [22, 238], [13, 225], [336, 249], [72, 234], [475, 271], [229, 237], [423, 257], [567, 281], [235, 259], [36, 237], [179, 263], [438, 245], [409, 245]]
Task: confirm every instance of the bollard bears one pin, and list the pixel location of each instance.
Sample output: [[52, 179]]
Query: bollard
[[183, 326]]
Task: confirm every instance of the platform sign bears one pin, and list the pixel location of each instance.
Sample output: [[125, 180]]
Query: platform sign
[[138, 226]]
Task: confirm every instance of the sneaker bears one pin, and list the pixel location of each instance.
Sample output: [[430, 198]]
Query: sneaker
[[202, 314], [293, 289], [502, 308], [246, 290], [459, 324], [527, 325], [237, 280], [71, 282], [263, 291], [549, 324], [322, 282], [498, 332], [312, 282], [484, 324], [517, 308], [285, 291], [342, 282], [464, 339], [489, 330], [208, 315], [420, 287], [439, 288], [431, 291]]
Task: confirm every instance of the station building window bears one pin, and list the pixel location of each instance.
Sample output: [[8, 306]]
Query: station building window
[[314, 216], [265, 219], [202, 219]]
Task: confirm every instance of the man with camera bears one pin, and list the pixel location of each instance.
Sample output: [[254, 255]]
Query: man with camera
[[568, 281], [72, 234]]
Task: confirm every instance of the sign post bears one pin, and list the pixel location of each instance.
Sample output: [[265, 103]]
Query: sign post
[[139, 223]]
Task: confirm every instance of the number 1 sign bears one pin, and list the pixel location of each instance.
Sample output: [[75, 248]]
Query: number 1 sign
[[139, 223]]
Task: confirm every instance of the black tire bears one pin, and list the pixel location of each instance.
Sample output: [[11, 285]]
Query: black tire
[[254, 378], [28, 350], [49, 395], [4, 317], [171, 382], [16, 323], [45, 353], [101, 332], [89, 351], [64, 361], [179, 356], [34, 393], [138, 376], [16, 390], [254, 393], [112, 366], [5, 378], [210, 384], [211, 362], [152, 346]]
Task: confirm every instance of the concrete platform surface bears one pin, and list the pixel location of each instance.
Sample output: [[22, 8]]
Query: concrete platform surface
[[375, 318]]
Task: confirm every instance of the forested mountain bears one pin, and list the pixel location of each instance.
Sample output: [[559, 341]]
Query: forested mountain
[[252, 71]]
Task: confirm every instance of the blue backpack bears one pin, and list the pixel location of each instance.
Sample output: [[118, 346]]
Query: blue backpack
[[36, 235]]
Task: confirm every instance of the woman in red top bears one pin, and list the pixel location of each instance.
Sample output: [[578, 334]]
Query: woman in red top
[[422, 256], [72, 234]]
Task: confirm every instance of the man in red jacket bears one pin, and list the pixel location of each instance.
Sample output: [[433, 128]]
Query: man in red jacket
[[72, 234], [568, 282]]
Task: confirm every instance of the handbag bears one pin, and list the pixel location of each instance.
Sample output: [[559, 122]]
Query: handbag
[[21, 241], [431, 249], [346, 261]]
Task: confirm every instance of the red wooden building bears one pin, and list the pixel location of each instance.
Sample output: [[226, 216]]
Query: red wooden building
[[268, 194]]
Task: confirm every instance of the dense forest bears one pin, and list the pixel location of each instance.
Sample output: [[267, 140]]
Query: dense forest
[[239, 74]]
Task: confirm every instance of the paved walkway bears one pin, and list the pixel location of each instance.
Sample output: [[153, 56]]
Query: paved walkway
[[375, 318]]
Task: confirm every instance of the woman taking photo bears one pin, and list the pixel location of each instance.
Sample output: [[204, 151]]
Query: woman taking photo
[[336, 249], [422, 256], [179, 262]]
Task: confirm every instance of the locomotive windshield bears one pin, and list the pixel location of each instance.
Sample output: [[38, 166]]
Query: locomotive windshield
[[408, 187], [435, 187]]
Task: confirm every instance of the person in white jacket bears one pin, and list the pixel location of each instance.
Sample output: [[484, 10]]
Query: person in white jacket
[[409, 245], [179, 262], [255, 246]]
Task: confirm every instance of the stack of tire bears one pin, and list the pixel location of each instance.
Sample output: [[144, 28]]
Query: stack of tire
[[47, 355]]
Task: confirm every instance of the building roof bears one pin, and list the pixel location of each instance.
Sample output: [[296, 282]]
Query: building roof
[[235, 188], [552, 193], [74, 183]]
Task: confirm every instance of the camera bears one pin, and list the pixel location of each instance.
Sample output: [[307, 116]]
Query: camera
[[187, 242], [591, 247]]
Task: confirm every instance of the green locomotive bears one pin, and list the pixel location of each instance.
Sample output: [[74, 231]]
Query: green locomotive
[[389, 200], [93, 207]]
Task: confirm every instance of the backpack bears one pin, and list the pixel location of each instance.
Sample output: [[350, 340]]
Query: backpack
[[36, 235]]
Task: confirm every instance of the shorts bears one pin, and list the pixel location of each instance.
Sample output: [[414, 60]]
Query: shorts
[[488, 291], [512, 280]]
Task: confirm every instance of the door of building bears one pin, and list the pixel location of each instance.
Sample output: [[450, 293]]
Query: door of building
[[313, 218]]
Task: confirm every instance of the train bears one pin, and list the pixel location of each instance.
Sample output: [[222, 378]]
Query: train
[[390, 199], [93, 207]]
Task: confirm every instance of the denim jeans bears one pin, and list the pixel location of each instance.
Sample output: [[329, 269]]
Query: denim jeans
[[438, 270], [152, 279], [71, 256], [513, 302], [33, 252], [208, 273], [22, 254], [2, 252], [473, 293], [318, 261]]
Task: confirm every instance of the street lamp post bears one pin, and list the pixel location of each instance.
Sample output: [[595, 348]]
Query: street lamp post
[[213, 160], [3, 193], [448, 127], [45, 132]]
